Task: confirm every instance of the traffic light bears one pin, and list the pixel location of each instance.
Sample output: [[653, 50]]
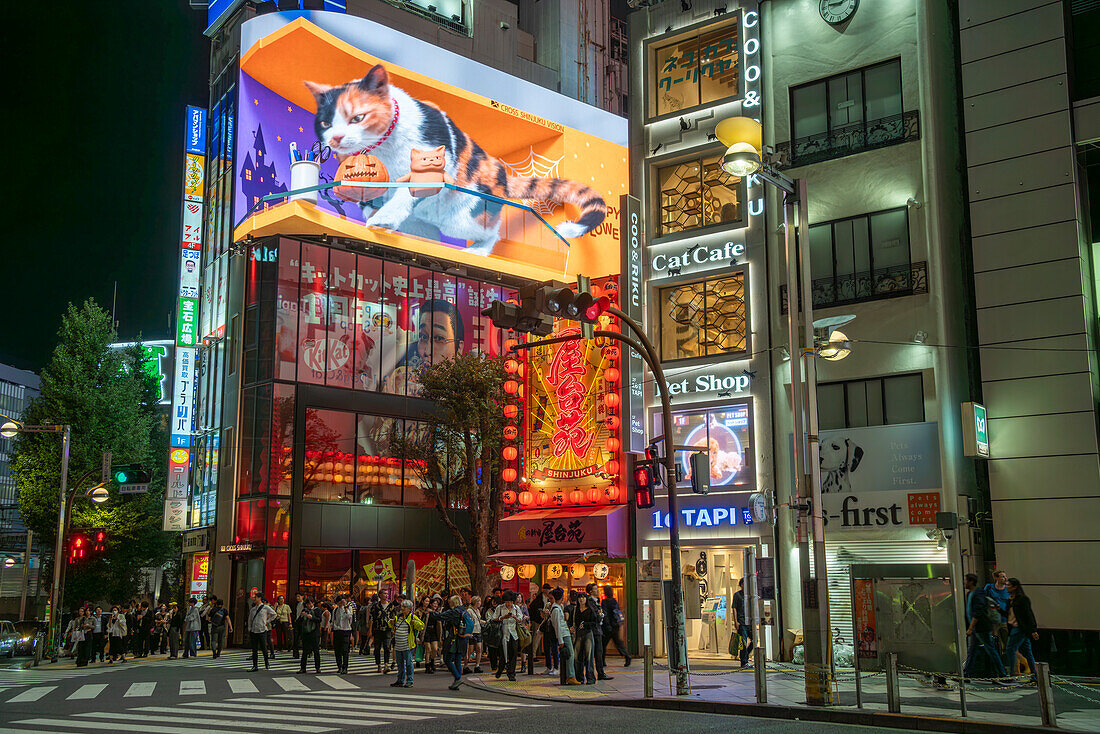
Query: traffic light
[[526, 318], [99, 540], [78, 547], [540, 304], [130, 474], [131, 478], [700, 472], [644, 472]]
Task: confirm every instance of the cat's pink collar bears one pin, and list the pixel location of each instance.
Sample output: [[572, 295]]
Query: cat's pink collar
[[385, 135]]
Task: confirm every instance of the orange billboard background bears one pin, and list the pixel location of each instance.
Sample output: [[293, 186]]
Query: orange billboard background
[[300, 51]]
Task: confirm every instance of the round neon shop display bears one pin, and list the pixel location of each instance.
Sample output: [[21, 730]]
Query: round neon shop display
[[726, 453]]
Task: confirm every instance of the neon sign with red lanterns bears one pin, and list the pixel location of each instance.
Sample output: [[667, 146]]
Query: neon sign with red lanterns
[[570, 419]]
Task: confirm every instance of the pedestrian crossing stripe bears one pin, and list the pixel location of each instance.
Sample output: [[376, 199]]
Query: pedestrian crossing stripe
[[310, 713]]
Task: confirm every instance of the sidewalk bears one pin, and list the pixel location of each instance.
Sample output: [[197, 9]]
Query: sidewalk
[[923, 705]]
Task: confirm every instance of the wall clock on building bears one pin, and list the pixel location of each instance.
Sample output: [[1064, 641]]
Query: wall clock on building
[[835, 12]]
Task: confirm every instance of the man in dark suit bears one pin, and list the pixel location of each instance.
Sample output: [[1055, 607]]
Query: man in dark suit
[[593, 603], [309, 633]]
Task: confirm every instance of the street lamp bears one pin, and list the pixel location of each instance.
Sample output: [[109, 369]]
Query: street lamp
[[743, 139], [8, 430]]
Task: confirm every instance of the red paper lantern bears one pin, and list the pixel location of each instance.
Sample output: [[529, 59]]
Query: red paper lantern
[[612, 493], [576, 497], [612, 445], [613, 422], [540, 498], [611, 374], [509, 497], [508, 475], [611, 399], [511, 366], [511, 387], [509, 453], [510, 432], [525, 497], [593, 495], [510, 344], [511, 411], [611, 467]]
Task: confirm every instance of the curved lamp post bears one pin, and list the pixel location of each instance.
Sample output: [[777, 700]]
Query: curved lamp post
[[744, 157]]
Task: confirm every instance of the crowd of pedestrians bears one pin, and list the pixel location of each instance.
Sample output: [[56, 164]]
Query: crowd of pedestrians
[[139, 628], [566, 632], [1000, 627]]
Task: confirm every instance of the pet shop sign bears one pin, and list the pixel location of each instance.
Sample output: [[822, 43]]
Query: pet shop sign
[[718, 384]]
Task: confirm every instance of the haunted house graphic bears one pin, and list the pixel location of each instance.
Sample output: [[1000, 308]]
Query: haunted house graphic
[[258, 175]]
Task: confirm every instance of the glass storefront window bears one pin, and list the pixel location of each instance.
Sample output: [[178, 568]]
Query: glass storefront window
[[282, 440], [325, 573], [704, 319], [275, 572], [367, 581], [340, 336], [286, 310], [727, 435], [378, 473], [697, 193], [329, 472], [371, 323], [694, 71], [313, 313], [251, 521]]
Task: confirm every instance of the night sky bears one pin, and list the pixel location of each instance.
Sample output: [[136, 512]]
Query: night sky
[[100, 90]]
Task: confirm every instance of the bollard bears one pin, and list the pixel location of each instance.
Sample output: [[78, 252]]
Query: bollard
[[760, 673], [647, 660], [893, 693], [1046, 695]]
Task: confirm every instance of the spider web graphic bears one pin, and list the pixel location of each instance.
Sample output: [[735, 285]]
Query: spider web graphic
[[536, 166]]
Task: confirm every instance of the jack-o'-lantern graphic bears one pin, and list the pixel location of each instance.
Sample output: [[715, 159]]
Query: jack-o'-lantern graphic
[[361, 168]]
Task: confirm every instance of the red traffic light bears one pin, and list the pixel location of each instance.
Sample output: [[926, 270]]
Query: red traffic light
[[643, 485], [596, 309]]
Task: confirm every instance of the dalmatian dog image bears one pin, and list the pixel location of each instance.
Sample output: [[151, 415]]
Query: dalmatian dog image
[[839, 457]]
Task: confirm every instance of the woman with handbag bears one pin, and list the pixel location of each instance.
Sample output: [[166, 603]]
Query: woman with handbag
[[507, 613]]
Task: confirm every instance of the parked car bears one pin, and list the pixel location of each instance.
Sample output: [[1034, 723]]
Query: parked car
[[31, 633], [8, 638]]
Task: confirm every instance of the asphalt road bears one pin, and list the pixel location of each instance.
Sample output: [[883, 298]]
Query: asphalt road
[[188, 696]]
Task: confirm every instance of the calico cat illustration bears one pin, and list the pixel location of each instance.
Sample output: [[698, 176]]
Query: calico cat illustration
[[370, 115]]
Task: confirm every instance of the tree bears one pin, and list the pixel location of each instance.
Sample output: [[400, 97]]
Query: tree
[[457, 450], [111, 404]]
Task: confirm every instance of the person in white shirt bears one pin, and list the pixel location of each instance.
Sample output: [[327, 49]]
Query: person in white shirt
[[342, 617], [258, 618], [509, 616]]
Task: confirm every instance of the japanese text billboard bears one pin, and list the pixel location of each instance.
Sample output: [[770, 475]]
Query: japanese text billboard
[[573, 417], [474, 161]]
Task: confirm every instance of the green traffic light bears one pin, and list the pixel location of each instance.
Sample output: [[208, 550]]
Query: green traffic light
[[121, 477]]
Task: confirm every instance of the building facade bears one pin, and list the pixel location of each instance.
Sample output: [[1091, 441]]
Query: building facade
[[311, 325], [1031, 112], [17, 389]]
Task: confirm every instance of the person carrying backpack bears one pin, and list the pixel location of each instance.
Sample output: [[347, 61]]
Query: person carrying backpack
[[613, 623], [982, 613]]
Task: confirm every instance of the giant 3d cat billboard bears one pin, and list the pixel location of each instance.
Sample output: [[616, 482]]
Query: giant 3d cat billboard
[[506, 170]]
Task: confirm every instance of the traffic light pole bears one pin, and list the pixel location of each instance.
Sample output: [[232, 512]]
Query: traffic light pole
[[645, 348], [59, 546]]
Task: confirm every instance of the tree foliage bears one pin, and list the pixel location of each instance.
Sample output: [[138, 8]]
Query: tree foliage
[[111, 404], [457, 450]]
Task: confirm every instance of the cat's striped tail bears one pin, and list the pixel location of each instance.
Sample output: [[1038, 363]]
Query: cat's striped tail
[[593, 209]]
